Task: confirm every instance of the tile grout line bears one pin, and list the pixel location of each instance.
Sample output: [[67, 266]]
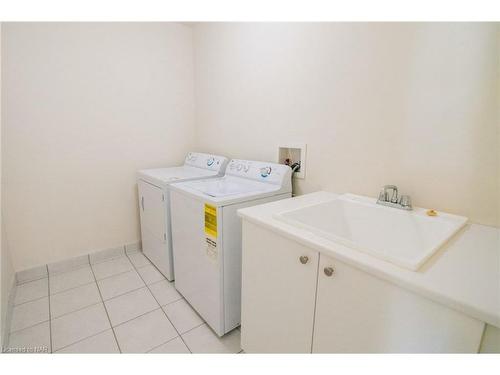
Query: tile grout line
[[198, 326], [138, 316], [31, 326], [99, 302], [94, 281], [71, 268], [147, 286], [189, 330], [122, 272], [79, 309], [75, 268], [31, 300], [144, 265], [147, 312], [102, 301], [31, 280], [106, 259], [60, 316], [160, 281], [104, 305], [166, 342], [115, 274], [163, 343], [91, 305], [85, 338], [177, 300], [122, 294], [54, 294], [75, 287], [49, 321], [50, 312], [48, 296]]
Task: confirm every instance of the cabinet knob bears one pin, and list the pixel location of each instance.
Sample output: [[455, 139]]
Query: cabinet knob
[[304, 259], [328, 271]]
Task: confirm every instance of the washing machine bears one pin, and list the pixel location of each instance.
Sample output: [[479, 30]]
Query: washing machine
[[206, 235], [154, 204]]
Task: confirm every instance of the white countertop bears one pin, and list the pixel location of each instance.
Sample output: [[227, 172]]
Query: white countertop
[[464, 274]]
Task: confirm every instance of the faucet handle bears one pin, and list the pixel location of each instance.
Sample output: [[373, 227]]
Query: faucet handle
[[382, 196], [405, 201]]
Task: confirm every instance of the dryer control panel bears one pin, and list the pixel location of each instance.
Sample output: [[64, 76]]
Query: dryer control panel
[[272, 173], [206, 161]]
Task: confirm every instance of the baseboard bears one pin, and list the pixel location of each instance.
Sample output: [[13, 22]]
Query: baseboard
[[31, 274], [107, 254], [68, 264], [65, 265], [133, 247]]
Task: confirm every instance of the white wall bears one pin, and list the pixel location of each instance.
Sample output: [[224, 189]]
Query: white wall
[[84, 107], [6, 268], [498, 131], [407, 104]]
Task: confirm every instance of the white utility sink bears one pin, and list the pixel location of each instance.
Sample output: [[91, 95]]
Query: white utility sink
[[405, 238]]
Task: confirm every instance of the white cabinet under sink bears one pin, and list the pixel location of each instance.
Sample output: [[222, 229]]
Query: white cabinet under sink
[[357, 312], [322, 305], [278, 293]]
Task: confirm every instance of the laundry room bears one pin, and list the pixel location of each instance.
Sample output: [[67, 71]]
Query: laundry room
[[188, 187]]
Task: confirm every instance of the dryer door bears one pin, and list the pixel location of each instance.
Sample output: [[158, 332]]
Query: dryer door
[[152, 207]]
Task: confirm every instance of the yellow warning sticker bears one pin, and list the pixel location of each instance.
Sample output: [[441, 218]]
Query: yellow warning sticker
[[211, 220]]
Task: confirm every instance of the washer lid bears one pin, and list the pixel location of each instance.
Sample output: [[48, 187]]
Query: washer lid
[[230, 186], [165, 176]]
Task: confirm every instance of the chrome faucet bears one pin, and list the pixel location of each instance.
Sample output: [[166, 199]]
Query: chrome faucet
[[403, 203]]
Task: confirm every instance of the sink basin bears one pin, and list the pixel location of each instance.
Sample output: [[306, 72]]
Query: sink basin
[[405, 238]]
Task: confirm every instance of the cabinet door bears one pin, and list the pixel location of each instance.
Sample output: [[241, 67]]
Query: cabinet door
[[357, 312], [153, 228], [278, 293]]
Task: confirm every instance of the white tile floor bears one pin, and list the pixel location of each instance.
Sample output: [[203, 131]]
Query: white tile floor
[[111, 306]]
